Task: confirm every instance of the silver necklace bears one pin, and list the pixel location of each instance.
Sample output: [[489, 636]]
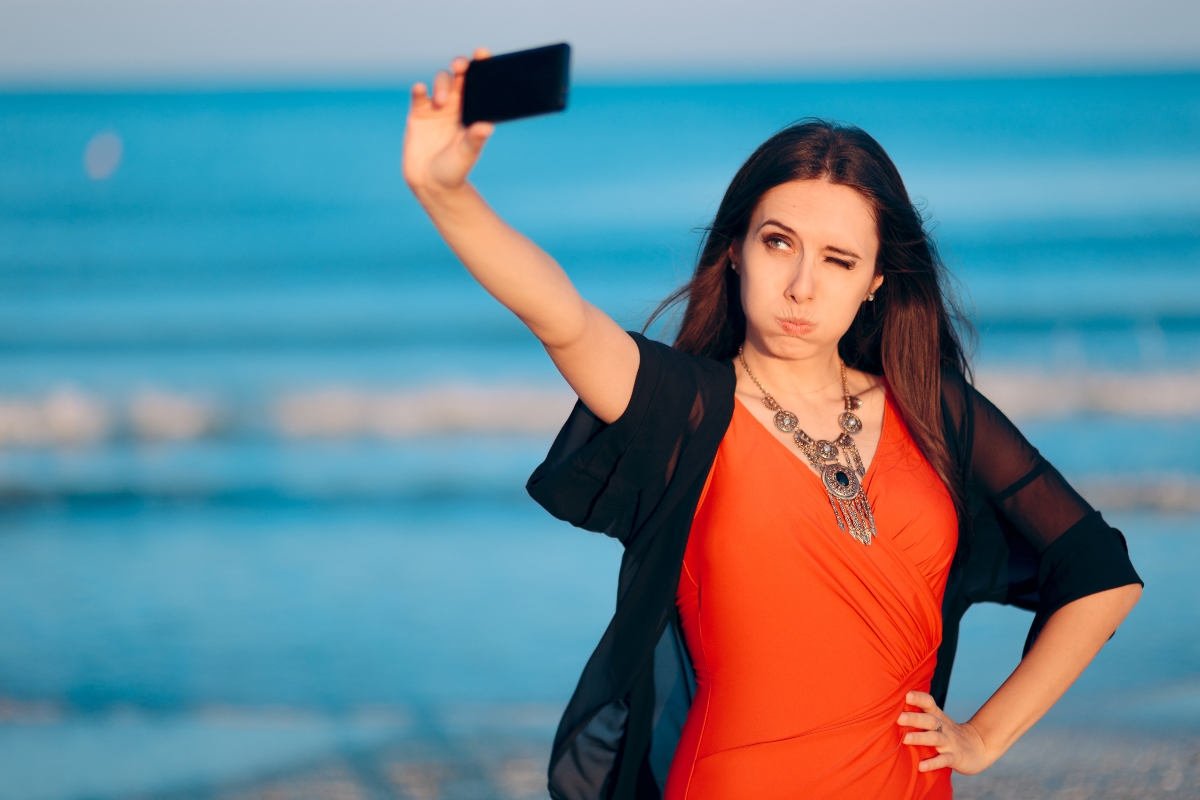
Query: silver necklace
[[842, 482]]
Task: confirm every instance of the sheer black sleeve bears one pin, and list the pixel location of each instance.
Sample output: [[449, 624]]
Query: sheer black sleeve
[[610, 478], [1062, 549], [638, 480]]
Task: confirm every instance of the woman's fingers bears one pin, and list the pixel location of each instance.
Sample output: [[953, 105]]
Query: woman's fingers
[[447, 84], [923, 701], [958, 746], [479, 132], [937, 731], [420, 95], [928, 738], [476, 137], [940, 761], [913, 719], [441, 89]]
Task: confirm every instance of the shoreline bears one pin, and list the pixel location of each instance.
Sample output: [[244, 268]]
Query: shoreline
[[473, 752]]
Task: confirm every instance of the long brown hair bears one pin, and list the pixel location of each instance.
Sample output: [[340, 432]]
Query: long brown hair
[[907, 334]]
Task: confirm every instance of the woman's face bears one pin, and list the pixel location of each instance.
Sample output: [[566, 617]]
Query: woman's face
[[806, 264]]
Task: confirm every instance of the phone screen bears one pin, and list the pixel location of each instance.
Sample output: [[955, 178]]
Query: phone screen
[[516, 85]]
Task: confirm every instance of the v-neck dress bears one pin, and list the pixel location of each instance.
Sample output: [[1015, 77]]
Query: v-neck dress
[[805, 641]]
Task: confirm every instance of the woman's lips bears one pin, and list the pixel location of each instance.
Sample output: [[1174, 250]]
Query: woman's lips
[[796, 327]]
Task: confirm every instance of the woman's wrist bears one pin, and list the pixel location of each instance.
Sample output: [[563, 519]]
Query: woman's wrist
[[434, 197], [992, 743]]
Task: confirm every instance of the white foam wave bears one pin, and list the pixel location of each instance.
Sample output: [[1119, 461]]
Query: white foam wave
[[1033, 395], [342, 412], [1174, 494], [70, 417], [64, 417], [155, 414]]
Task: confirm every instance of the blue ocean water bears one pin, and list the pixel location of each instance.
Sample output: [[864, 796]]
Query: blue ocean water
[[263, 442]]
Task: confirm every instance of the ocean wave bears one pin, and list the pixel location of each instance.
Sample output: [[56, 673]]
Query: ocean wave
[[1027, 395], [1172, 494], [450, 409], [65, 416], [69, 416], [155, 414]]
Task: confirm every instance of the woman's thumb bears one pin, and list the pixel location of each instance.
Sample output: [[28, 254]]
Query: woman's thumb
[[477, 136]]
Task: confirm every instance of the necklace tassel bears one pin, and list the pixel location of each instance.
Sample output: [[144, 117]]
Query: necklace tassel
[[857, 512], [842, 482]]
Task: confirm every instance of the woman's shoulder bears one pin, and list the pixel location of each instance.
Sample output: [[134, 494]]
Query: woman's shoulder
[[595, 472], [663, 361]]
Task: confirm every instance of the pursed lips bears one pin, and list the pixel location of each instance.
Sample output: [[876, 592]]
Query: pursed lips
[[796, 327]]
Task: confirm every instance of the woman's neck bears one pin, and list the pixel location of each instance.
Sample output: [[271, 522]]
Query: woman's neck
[[817, 374]]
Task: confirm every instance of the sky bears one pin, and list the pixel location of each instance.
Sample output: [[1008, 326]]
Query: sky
[[87, 42]]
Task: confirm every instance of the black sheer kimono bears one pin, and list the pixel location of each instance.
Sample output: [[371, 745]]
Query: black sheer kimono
[[1033, 542]]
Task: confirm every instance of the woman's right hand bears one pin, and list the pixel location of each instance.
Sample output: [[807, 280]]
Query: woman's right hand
[[438, 151]]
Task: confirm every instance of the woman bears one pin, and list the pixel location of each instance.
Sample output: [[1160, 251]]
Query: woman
[[809, 492]]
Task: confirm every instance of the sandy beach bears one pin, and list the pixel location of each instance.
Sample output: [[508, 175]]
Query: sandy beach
[[1054, 764]]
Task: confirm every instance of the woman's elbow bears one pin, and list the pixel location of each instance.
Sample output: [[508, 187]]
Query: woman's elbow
[[1101, 612], [1130, 594], [1115, 604]]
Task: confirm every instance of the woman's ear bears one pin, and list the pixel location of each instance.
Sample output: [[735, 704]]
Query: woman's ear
[[876, 282], [734, 257]]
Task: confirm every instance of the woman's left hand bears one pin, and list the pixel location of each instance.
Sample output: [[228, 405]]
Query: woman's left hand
[[959, 746]]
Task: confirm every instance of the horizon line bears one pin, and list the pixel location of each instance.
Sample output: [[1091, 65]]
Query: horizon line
[[401, 79]]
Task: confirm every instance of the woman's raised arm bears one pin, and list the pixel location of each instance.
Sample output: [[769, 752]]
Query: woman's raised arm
[[597, 358]]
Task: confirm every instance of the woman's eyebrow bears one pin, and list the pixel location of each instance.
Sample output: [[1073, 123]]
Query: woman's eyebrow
[[777, 224], [843, 252]]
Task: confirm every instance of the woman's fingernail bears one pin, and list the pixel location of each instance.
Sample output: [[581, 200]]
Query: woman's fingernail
[[908, 738]]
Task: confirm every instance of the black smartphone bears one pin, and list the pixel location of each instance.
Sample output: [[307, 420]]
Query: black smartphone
[[516, 85]]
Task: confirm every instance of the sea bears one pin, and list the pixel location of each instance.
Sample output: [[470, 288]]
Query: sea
[[263, 441]]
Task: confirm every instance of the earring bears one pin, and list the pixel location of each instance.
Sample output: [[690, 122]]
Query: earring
[[871, 296]]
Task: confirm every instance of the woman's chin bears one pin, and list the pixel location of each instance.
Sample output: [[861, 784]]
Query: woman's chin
[[793, 346]]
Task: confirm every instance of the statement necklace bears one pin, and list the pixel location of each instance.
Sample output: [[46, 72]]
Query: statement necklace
[[842, 481]]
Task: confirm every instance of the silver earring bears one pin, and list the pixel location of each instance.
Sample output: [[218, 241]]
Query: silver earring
[[871, 296]]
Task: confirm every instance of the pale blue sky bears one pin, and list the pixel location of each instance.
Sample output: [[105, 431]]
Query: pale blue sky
[[237, 41]]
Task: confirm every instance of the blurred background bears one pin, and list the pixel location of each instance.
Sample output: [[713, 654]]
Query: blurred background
[[263, 443]]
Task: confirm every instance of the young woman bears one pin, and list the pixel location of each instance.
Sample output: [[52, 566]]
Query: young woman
[[809, 492]]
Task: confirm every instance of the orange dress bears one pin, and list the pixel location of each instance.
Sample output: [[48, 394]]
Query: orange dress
[[805, 641]]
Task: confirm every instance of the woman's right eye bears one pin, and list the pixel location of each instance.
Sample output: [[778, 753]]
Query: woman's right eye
[[775, 242]]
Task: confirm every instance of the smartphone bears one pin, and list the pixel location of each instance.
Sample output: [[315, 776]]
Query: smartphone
[[516, 85]]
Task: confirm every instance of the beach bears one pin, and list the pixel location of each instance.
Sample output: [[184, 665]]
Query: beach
[[504, 758]]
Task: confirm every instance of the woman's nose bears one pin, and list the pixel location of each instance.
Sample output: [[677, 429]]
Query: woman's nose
[[802, 284]]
